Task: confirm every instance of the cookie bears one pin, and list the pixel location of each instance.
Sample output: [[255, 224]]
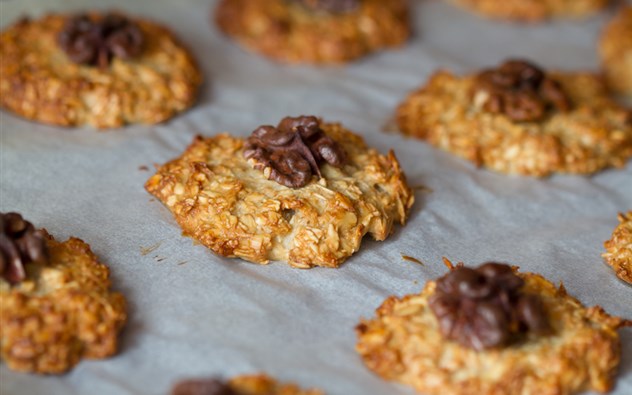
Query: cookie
[[241, 385], [267, 198], [314, 31], [615, 48], [519, 119], [96, 69], [532, 10], [481, 331], [619, 248], [55, 298]]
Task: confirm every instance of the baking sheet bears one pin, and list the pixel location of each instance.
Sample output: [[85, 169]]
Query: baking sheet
[[195, 314]]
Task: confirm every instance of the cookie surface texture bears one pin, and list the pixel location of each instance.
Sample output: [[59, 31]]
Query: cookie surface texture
[[38, 81], [403, 343], [532, 10], [63, 312], [619, 248], [219, 199], [616, 52], [289, 32], [594, 134]]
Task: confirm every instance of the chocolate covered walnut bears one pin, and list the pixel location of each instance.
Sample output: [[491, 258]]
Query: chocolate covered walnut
[[484, 307], [202, 387], [293, 151], [20, 243], [253, 384], [522, 91], [95, 42]]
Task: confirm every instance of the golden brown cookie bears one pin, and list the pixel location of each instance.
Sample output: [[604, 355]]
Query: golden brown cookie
[[233, 206], [405, 343], [39, 81], [615, 49], [60, 311], [314, 31], [565, 123], [532, 10], [619, 248], [259, 384]]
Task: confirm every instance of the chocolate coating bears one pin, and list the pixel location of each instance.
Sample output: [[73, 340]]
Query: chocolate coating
[[96, 42], [294, 150], [485, 307]]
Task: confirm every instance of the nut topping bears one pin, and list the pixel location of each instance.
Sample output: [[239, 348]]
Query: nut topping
[[522, 91], [95, 42], [333, 6], [485, 307], [202, 387], [20, 244], [293, 151]]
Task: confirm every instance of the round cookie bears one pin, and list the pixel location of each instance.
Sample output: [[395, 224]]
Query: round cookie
[[405, 343], [619, 248], [39, 81], [259, 384], [615, 48], [501, 119], [232, 205], [59, 310], [532, 10], [314, 31]]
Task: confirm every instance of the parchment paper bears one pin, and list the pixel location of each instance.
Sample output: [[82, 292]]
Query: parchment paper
[[195, 314]]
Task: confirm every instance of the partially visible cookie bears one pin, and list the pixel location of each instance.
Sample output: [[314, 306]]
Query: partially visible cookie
[[305, 192], [55, 298], [314, 31], [259, 384], [532, 10], [490, 331], [96, 69], [615, 48], [619, 248], [519, 119]]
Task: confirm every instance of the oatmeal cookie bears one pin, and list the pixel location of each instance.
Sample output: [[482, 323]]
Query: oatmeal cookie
[[532, 10], [60, 309], [616, 52], [619, 248], [96, 69], [579, 351], [259, 384], [517, 119], [314, 31], [244, 198]]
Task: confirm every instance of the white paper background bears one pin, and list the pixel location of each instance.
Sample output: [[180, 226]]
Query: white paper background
[[214, 316]]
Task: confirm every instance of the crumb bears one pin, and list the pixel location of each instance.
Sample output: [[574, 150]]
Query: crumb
[[146, 250]]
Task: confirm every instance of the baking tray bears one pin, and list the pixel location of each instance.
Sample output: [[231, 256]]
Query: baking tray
[[192, 313]]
